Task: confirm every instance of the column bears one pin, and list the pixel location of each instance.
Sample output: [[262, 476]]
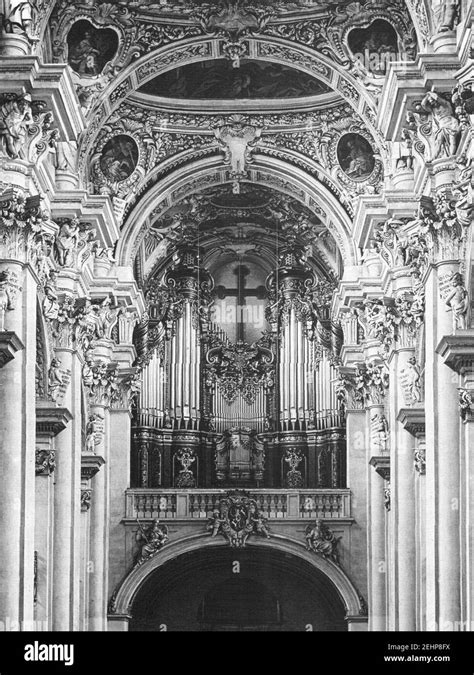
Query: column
[[442, 463], [49, 422], [402, 499], [357, 481], [412, 420], [120, 423], [376, 544], [99, 529], [66, 549], [17, 442], [457, 352], [90, 465]]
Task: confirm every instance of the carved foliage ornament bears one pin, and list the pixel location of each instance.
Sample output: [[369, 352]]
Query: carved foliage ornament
[[26, 230], [239, 368]]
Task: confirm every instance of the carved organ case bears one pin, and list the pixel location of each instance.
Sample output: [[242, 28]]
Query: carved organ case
[[237, 353]]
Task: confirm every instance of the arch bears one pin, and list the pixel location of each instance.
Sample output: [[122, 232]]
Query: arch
[[205, 48], [124, 596], [265, 170]]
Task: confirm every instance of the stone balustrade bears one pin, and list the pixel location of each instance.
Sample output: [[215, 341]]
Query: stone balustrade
[[275, 504]]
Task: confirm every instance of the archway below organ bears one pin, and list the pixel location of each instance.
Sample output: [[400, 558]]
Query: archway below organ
[[253, 589]]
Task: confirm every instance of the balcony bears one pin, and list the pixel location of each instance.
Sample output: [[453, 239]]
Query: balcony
[[172, 504]]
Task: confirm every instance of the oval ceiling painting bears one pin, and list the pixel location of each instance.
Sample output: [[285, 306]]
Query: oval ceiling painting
[[119, 158], [356, 157], [219, 80]]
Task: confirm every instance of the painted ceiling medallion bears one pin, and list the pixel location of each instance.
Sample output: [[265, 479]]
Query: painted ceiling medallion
[[355, 156], [90, 48], [119, 158]]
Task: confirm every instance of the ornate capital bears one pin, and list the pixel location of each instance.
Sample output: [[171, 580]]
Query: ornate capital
[[129, 386], [102, 383], [443, 223], [26, 230], [372, 381]]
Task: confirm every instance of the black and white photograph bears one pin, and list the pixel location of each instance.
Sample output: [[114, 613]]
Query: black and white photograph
[[236, 329]]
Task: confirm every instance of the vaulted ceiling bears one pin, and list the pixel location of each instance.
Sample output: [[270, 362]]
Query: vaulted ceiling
[[258, 119]]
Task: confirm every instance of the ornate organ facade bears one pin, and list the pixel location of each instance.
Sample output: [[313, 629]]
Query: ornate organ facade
[[239, 383], [236, 314]]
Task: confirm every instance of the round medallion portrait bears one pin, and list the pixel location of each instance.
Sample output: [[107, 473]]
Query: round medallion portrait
[[355, 156], [119, 158]]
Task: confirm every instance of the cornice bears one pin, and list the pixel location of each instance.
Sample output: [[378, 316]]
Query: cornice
[[457, 351], [413, 420], [10, 344], [381, 466], [50, 420]]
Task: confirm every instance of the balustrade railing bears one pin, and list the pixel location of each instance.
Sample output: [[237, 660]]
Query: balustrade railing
[[195, 504]]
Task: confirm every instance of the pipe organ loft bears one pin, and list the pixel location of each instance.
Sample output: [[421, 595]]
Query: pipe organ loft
[[236, 315]]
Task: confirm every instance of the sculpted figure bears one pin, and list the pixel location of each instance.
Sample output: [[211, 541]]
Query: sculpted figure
[[446, 14], [320, 539], [15, 119], [18, 16], [50, 300], [155, 536], [412, 373], [458, 302], [66, 242], [55, 379], [446, 124]]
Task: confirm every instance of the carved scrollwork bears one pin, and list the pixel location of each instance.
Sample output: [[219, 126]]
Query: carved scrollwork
[[239, 368]]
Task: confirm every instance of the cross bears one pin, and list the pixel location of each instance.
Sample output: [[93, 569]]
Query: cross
[[240, 293]]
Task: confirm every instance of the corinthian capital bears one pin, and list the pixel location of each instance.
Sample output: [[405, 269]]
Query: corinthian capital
[[26, 229], [372, 380]]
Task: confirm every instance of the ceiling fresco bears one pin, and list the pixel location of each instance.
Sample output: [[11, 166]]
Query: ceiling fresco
[[219, 80]]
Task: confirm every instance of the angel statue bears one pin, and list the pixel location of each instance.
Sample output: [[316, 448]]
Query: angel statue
[[320, 539], [154, 537]]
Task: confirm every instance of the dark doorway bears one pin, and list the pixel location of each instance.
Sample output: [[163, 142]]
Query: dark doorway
[[223, 589]]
